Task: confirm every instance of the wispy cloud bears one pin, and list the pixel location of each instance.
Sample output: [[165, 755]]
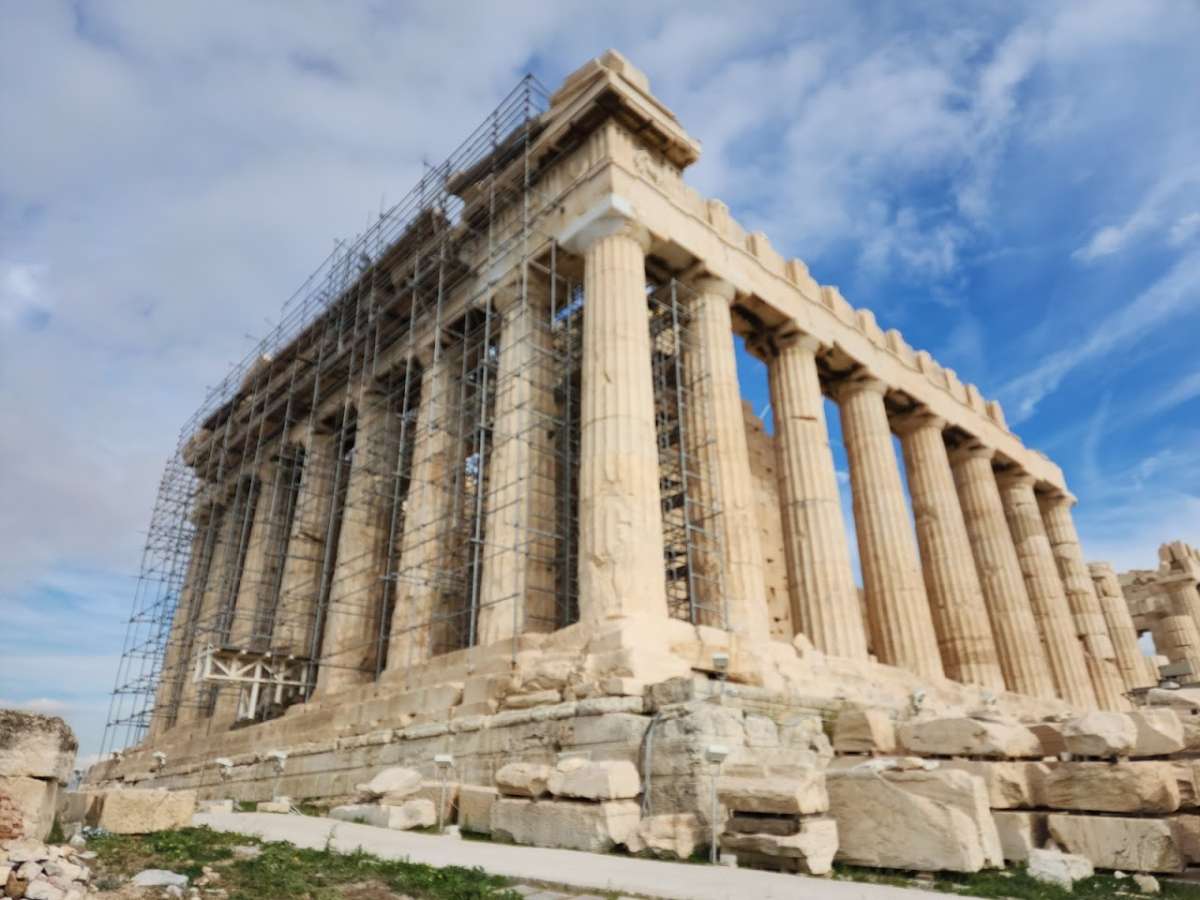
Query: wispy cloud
[[1177, 290], [1157, 212]]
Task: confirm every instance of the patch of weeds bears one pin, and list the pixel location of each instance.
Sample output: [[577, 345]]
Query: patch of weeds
[[56, 835], [285, 871], [245, 805], [1014, 882]]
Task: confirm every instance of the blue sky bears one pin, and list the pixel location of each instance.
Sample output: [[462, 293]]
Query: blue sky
[[1016, 187]]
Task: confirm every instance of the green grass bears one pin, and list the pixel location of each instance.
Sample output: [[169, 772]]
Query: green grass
[[1015, 883], [285, 871]]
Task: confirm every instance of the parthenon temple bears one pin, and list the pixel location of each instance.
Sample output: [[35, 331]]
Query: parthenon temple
[[496, 460]]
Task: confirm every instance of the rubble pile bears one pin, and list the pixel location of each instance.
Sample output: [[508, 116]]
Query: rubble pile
[[32, 869], [779, 822]]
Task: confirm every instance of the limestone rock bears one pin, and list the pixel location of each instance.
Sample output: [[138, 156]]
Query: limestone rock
[[1186, 829], [969, 736], [1130, 787], [1050, 734], [43, 889], [607, 780], [214, 806], [813, 846], [475, 807], [36, 746], [524, 779], [1097, 733], [668, 836], [1020, 832], [916, 819], [760, 823], [145, 810], [1159, 732], [279, 806], [159, 878], [1111, 842], [418, 813], [34, 801], [1056, 867], [434, 792], [1010, 784], [801, 793], [864, 731], [595, 827], [1147, 884], [398, 783]]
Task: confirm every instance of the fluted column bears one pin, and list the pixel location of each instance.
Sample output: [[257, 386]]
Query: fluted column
[[352, 618], [1014, 627], [902, 632], [175, 670], [620, 517], [422, 541], [517, 587], [1131, 662], [824, 597], [955, 597], [719, 433], [300, 586], [1083, 601], [1183, 595], [1063, 648]]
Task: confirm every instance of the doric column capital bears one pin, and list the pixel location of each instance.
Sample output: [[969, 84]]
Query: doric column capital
[[916, 419], [1015, 477], [858, 384], [611, 216], [972, 450], [711, 284], [1058, 497]]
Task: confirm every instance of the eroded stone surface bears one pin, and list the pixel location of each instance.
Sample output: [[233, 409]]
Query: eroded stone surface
[[597, 827], [1118, 842], [969, 736]]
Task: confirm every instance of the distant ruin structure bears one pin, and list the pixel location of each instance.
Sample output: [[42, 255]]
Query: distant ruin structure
[[490, 489]]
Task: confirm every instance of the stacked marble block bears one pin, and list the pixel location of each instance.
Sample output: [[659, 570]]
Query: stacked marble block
[[396, 798], [577, 804], [1116, 788], [779, 822], [37, 755]]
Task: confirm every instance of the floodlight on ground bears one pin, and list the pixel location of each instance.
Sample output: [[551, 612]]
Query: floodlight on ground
[[715, 754]]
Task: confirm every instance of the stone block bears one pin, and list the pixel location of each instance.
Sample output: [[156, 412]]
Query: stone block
[[1112, 842], [280, 806], [801, 793], [604, 780], [531, 699], [1011, 784], [1102, 734], [969, 736], [595, 827], [864, 731], [214, 806], [524, 779], [1051, 737], [913, 819], [1159, 732], [762, 823], [1186, 830], [812, 847], [34, 800], [1056, 867], [1020, 832], [432, 791], [668, 836], [475, 807], [397, 783], [1129, 787], [145, 810], [36, 746], [418, 813]]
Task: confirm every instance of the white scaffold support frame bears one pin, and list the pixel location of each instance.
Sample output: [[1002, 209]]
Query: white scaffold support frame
[[255, 670]]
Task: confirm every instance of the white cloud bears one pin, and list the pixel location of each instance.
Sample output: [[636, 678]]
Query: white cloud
[[1153, 214]]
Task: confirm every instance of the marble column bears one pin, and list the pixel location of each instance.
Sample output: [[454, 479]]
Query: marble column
[[300, 586], [517, 586], [176, 669], [720, 435], [1014, 626], [1131, 662], [1082, 599], [1046, 595], [902, 632], [621, 571], [825, 603], [1183, 596], [960, 615], [422, 540], [350, 644], [221, 583]]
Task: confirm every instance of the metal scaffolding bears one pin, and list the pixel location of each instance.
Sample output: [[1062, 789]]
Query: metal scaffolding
[[392, 473]]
